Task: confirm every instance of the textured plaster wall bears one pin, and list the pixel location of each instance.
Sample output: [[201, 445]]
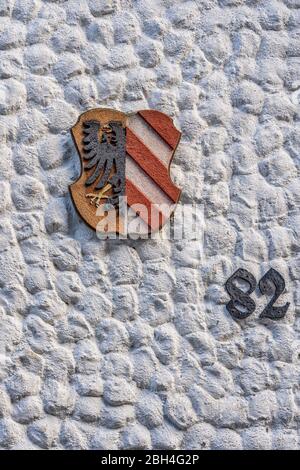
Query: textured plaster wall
[[128, 344]]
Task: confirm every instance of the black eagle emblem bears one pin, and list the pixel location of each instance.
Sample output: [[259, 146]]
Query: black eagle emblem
[[104, 150]]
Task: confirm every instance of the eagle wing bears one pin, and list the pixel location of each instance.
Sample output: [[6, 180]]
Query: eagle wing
[[95, 151]]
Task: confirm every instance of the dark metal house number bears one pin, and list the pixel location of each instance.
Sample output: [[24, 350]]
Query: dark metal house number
[[242, 305]]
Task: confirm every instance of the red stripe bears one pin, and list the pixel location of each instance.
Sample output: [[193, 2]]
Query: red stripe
[[151, 165], [163, 125], [134, 196]]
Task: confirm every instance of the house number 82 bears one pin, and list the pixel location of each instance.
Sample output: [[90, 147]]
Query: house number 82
[[241, 305]]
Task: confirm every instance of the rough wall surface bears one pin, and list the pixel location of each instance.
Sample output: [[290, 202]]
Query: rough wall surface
[[128, 344]]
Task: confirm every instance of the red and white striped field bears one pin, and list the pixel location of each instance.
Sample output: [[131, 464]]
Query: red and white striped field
[[151, 139]]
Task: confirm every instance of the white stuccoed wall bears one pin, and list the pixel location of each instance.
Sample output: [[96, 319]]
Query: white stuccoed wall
[[129, 344]]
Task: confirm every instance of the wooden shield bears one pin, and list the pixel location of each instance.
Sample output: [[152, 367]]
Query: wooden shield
[[125, 157]]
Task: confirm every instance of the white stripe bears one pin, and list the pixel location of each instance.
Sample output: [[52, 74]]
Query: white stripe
[[147, 186], [150, 138]]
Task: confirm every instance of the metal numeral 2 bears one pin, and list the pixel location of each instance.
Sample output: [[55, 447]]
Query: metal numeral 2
[[241, 305]]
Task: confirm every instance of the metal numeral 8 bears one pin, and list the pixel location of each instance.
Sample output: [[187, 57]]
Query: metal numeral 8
[[241, 305]]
